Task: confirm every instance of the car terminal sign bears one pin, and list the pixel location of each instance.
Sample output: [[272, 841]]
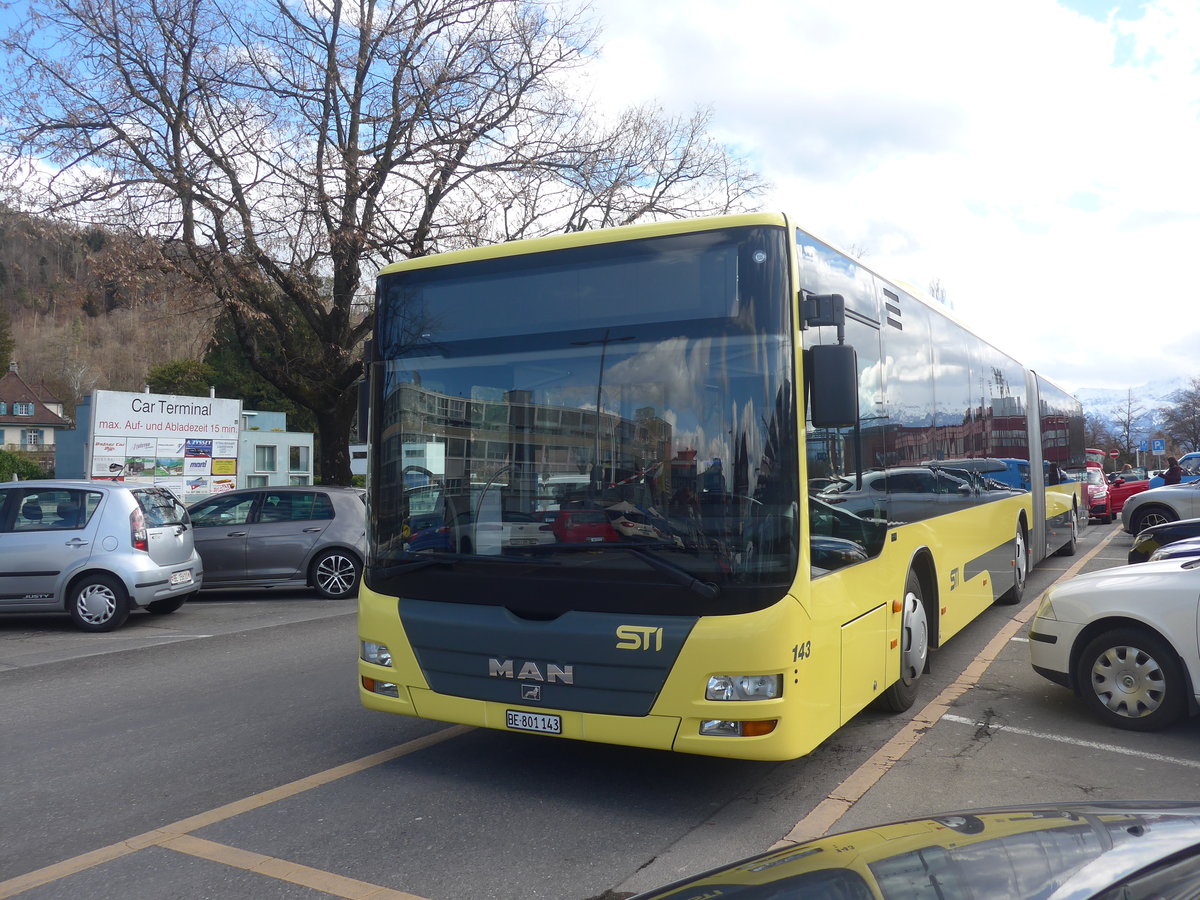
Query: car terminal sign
[[188, 444]]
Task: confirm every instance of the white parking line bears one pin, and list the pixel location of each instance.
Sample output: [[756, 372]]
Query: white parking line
[[1089, 745]]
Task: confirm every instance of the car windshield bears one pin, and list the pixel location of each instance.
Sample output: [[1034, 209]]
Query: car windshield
[[662, 397]]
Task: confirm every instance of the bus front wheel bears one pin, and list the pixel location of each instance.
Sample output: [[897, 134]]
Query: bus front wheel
[[914, 649]]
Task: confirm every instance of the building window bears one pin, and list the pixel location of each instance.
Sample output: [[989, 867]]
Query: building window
[[3, 408], [298, 461], [22, 409], [256, 481], [264, 458], [32, 437], [297, 479]]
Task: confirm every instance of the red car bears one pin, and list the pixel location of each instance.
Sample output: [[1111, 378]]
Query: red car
[[1097, 491], [1123, 485], [581, 526]]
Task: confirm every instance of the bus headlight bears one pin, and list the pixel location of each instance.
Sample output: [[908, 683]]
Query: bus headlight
[[744, 687], [372, 652]]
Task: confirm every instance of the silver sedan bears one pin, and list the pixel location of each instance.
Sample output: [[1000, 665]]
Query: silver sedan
[[1124, 639], [1161, 504]]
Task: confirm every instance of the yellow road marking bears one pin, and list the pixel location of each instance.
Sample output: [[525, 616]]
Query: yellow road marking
[[827, 813], [271, 867], [170, 835]]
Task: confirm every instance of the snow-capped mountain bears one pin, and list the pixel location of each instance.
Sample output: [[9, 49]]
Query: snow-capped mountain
[[1110, 404]]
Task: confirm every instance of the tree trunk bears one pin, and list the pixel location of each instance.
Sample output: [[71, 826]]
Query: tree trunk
[[333, 438]]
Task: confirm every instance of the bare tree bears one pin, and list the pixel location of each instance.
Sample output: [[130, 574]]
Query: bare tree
[[1128, 422], [1096, 432], [282, 151], [937, 291], [1181, 422]]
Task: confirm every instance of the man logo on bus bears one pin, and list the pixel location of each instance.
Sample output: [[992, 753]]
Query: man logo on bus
[[531, 671], [639, 637]]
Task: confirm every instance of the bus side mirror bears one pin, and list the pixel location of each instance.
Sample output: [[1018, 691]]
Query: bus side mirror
[[832, 385]]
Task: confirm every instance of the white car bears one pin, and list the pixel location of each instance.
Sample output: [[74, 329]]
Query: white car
[[1126, 640]]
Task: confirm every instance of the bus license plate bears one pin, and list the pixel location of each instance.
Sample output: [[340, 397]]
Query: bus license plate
[[184, 577], [523, 721]]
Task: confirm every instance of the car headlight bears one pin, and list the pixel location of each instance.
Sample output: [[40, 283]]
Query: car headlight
[[376, 653], [1046, 609], [744, 687]]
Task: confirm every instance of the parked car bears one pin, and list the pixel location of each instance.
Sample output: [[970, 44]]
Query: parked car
[[1097, 491], [514, 531], [429, 532], [1178, 550], [1151, 539], [1124, 639], [1190, 463], [631, 523], [1123, 485], [95, 550], [283, 536], [1105, 850], [580, 526], [1162, 504], [906, 493]]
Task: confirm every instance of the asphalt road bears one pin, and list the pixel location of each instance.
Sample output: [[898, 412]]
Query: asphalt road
[[221, 752]]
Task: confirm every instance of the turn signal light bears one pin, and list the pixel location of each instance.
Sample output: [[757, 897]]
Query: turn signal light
[[727, 728]]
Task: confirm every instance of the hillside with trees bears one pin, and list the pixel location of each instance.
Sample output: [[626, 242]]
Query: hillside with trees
[[86, 308]]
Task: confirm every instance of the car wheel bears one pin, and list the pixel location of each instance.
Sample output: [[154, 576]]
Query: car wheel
[[1020, 564], [167, 605], [1068, 549], [98, 603], [914, 649], [335, 574], [1151, 515], [1131, 678]]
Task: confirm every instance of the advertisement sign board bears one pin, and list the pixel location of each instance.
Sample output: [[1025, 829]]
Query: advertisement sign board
[[178, 442]]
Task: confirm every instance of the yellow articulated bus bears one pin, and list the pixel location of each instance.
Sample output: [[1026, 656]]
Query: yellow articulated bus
[[707, 486]]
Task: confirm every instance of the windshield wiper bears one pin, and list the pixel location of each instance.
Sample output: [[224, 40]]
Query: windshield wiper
[[677, 574], [452, 559]]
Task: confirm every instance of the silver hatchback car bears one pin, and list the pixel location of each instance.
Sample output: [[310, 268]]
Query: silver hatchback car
[[312, 535], [94, 549]]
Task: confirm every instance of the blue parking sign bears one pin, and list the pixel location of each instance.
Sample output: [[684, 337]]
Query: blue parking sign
[[1160, 446], [1144, 446]]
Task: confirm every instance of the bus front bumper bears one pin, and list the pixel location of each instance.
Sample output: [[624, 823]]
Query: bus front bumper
[[651, 732]]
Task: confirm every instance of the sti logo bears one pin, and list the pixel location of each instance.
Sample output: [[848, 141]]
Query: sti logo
[[639, 637]]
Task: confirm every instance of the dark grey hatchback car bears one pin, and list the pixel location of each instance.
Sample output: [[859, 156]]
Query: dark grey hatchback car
[[283, 536]]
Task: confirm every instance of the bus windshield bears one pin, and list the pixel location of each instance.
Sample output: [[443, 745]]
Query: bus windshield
[[623, 439]]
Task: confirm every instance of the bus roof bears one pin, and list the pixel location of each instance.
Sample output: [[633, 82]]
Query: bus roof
[[585, 239]]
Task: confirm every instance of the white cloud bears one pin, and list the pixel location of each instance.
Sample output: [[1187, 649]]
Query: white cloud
[[1037, 160]]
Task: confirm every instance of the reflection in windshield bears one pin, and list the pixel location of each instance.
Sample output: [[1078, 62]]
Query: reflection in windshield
[[668, 438]]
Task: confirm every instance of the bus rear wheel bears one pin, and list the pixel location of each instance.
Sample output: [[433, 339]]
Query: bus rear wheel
[[1068, 549], [914, 649], [1020, 563]]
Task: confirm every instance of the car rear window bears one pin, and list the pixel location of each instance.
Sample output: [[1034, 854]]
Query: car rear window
[[161, 508]]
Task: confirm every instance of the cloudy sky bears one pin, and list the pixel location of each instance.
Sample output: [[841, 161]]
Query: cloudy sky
[[1038, 158]]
